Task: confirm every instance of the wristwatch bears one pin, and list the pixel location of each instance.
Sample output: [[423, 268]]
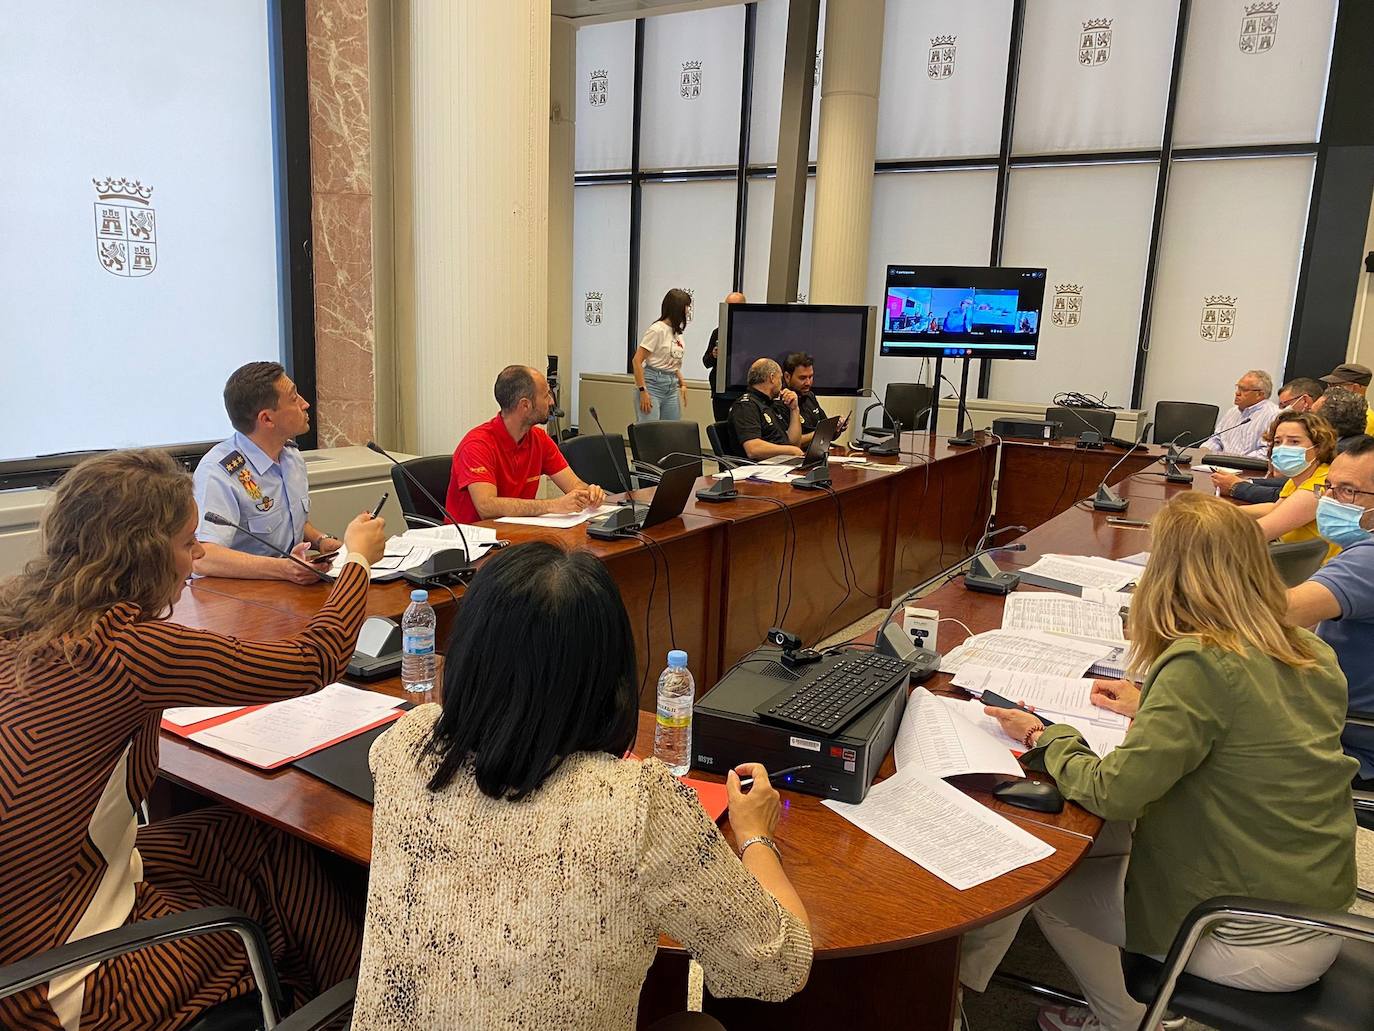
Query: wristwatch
[[761, 839], [642, 390]]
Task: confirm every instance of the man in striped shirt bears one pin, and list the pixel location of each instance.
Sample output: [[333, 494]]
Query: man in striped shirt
[[1241, 430]]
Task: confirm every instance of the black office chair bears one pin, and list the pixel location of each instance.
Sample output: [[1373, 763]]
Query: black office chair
[[650, 441], [724, 441], [909, 402], [1184, 421], [1072, 421], [1340, 1001], [433, 472], [252, 1012], [591, 460], [1298, 560]]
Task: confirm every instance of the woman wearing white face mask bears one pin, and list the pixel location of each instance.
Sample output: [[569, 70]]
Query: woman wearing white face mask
[[1304, 445]]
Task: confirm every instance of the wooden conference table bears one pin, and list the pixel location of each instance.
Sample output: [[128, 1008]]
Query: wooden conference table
[[886, 931]]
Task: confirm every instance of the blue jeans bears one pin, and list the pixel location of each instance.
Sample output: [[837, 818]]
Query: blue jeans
[[664, 400]]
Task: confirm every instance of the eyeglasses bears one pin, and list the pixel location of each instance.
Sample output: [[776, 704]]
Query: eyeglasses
[[1340, 492], [1242, 389]]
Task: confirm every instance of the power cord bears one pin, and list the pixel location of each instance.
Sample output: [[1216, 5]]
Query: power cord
[[1077, 399], [657, 549]]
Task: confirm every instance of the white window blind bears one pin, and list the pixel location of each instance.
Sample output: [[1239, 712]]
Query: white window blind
[[601, 276], [770, 38], [693, 77], [758, 239], [605, 96]]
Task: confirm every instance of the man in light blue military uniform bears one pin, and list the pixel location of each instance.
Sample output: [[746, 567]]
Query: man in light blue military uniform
[[257, 479]]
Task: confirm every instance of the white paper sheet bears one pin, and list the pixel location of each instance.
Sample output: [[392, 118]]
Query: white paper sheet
[[187, 715], [764, 473], [403, 552], [1063, 614], [942, 830], [559, 521], [1115, 600], [942, 743], [1102, 734], [1138, 559], [448, 534], [1085, 571], [1028, 651], [286, 729], [1065, 696]]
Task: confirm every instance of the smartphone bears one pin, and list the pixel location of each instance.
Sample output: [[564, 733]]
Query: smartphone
[[1118, 521]]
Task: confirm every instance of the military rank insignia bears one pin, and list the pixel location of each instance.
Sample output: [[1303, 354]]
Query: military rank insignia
[[237, 466]]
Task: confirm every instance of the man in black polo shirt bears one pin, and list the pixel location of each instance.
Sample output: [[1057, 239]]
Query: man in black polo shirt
[[765, 419], [798, 374]]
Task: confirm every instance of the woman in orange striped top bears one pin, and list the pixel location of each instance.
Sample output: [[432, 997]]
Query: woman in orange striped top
[[87, 664]]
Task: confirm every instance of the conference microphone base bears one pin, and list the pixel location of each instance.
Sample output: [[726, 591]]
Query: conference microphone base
[[1089, 440], [879, 448], [722, 490], [1107, 500], [1173, 474], [817, 478], [984, 576], [620, 523], [963, 440], [450, 566]]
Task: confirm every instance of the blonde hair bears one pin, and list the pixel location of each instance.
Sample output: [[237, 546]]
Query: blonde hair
[[106, 539], [1210, 577]]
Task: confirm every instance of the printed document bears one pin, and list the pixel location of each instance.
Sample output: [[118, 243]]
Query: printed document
[[1027, 651], [189, 715], [1102, 733], [1084, 571], [1063, 614], [945, 744], [941, 829], [558, 520]]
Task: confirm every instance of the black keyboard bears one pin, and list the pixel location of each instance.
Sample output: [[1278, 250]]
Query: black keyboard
[[827, 698]]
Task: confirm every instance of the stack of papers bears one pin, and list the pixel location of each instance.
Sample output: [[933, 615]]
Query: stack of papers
[[763, 473], [1026, 651], [1059, 699], [941, 829], [1080, 571], [413, 548], [268, 736], [559, 521], [1064, 614], [938, 737]]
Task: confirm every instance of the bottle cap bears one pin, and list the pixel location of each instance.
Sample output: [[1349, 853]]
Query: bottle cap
[[677, 660], [418, 595]]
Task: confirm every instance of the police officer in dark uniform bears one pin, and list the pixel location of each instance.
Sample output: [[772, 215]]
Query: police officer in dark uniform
[[798, 375], [765, 419]]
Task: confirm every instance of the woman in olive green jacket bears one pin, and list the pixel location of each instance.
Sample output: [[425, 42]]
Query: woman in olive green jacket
[[1232, 771]]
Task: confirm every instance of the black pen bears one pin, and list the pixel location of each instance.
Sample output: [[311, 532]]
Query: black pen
[[378, 510], [748, 782], [998, 702]]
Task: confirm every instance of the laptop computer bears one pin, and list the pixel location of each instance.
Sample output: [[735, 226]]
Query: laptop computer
[[670, 498], [816, 451]]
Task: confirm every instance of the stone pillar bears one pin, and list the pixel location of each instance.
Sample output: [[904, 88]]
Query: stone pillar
[[562, 157], [848, 139], [477, 197]]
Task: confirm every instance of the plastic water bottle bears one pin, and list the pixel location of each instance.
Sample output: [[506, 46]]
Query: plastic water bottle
[[673, 731], [418, 661]]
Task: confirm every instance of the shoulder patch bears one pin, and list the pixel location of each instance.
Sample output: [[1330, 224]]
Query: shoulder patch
[[233, 462]]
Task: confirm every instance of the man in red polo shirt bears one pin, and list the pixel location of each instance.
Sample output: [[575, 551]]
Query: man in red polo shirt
[[497, 466]]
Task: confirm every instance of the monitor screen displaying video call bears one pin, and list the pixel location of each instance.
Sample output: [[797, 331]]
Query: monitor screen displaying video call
[[947, 311], [838, 336]]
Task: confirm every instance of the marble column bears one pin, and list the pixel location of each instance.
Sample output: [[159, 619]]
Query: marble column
[[341, 186], [478, 199], [562, 156], [848, 139]]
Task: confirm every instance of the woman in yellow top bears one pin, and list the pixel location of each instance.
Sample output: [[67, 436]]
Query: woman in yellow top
[[1304, 445]]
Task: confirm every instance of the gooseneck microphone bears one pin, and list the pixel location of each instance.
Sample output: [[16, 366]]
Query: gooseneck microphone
[[724, 487], [893, 444], [414, 480], [628, 517], [219, 520], [1106, 499], [908, 595]]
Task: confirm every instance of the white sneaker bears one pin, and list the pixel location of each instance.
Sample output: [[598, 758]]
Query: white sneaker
[[1067, 1018]]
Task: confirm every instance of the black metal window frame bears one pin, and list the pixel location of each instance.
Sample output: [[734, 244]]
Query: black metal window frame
[[1003, 162]]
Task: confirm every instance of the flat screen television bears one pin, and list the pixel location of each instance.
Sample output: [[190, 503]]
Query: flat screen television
[[838, 336], [949, 311]]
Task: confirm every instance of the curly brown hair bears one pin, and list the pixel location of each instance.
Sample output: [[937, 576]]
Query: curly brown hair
[[1318, 430], [106, 539]]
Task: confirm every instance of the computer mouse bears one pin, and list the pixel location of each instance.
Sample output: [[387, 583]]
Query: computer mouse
[[1039, 795]]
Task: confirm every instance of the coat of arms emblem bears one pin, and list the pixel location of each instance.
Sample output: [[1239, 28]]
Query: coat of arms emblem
[[941, 62], [125, 227], [592, 311], [1095, 44], [597, 94], [816, 76], [691, 80], [1218, 317], [1259, 27], [1067, 307]]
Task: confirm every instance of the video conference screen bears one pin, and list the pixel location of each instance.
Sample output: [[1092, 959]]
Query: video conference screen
[[935, 311], [837, 336]]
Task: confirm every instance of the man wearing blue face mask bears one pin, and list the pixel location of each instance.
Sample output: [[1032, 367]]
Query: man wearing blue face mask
[[1340, 596]]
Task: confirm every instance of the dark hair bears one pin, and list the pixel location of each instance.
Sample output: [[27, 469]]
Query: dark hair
[[1345, 410], [1305, 386], [513, 384], [251, 389], [797, 360], [674, 309], [541, 665], [1359, 447]]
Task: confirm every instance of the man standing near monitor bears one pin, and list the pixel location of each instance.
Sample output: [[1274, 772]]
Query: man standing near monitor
[[766, 419], [720, 402], [798, 376]]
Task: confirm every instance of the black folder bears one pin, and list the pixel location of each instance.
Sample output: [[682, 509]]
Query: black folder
[[345, 765]]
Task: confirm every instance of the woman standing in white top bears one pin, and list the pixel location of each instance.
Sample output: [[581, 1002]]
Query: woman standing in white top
[[658, 361]]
